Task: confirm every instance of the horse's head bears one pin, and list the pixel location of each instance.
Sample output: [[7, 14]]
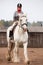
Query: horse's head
[[23, 22]]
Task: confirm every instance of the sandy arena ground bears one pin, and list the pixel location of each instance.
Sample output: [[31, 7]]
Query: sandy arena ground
[[35, 56]]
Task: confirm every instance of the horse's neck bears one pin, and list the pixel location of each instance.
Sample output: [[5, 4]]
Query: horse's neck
[[20, 31]]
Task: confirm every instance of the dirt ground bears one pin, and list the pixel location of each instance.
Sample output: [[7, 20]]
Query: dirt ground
[[35, 55]]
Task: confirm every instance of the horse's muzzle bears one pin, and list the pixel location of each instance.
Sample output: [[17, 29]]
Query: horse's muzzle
[[25, 29]]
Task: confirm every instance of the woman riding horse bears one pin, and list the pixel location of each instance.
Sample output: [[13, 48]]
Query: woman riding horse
[[15, 19], [17, 14]]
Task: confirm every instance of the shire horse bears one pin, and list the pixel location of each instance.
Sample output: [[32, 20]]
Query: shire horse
[[20, 36]]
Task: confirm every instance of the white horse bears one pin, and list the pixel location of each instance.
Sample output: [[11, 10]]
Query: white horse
[[20, 37]]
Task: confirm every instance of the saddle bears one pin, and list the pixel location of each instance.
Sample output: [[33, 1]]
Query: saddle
[[11, 32]]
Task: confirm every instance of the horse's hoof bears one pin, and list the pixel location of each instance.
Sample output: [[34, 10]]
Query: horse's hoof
[[28, 62], [8, 58], [16, 60]]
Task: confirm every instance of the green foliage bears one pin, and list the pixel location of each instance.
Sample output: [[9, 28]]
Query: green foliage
[[5, 24], [38, 23], [28, 24]]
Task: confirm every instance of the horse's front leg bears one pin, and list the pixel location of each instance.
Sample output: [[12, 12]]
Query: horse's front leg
[[9, 51], [25, 53], [16, 53]]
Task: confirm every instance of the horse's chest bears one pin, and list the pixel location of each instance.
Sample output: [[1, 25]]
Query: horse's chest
[[23, 38], [19, 36]]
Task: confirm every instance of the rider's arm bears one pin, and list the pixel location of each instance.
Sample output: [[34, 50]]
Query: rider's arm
[[14, 24], [15, 14]]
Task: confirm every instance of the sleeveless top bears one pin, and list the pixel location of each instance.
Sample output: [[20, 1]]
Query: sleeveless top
[[16, 15]]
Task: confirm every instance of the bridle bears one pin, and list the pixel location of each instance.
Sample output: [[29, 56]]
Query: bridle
[[23, 25]]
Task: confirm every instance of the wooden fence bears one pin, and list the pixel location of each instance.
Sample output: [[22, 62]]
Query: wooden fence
[[35, 39]]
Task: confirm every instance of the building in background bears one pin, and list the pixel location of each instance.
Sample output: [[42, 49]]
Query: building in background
[[35, 37]]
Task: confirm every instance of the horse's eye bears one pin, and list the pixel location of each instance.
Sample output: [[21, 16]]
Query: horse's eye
[[26, 19], [20, 20]]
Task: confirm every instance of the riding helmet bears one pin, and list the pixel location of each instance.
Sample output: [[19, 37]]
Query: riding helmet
[[19, 5]]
